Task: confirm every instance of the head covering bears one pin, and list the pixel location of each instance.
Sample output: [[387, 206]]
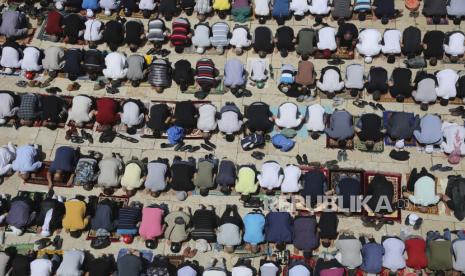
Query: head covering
[[107, 12], [202, 245], [89, 13], [59, 5], [260, 84], [368, 59], [429, 148], [411, 219], [200, 50], [181, 195], [400, 144]]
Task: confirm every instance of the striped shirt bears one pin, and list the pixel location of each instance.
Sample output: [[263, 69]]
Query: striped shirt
[[156, 30], [205, 69], [362, 5], [128, 217], [220, 31], [159, 73], [180, 32]]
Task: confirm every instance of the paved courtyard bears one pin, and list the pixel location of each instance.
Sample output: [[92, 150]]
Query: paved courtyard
[[316, 150]]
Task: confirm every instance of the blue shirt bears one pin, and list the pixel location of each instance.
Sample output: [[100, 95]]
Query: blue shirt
[[372, 254], [90, 4], [282, 142], [254, 224], [65, 160], [26, 159]]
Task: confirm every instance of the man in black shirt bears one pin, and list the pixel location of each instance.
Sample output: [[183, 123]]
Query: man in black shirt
[[48, 227], [93, 63], [159, 119], [328, 228], [434, 42], [346, 36], [285, 40], [262, 41], [370, 129], [385, 10], [134, 34], [185, 115], [380, 189], [54, 111], [259, 117], [377, 82], [73, 60], [182, 173], [113, 34], [102, 266], [435, 9], [411, 42], [73, 28], [167, 8], [183, 74], [401, 84]]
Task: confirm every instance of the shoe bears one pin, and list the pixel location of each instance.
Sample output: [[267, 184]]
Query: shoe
[[186, 148], [99, 85], [435, 167], [21, 83], [373, 105], [164, 52], [380, 106], [42, 243], [299, 160], [53, 90], [344, 155], [57, 242], [151, 51], [71, 132], [368, 222], [360, 103], [178, 146], [210, 144], [200, 95], [258, 155], [446, 169], [305, 159], [379, 225], [246, 93], [73, 87], [194, 149], [339, 155], [166, 145], [206, 147], [336, 61], [87, 136], [458, 111], [112, 90]]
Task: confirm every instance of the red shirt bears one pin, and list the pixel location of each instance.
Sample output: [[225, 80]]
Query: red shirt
[[416, 253], [107, 111], [54, 23]]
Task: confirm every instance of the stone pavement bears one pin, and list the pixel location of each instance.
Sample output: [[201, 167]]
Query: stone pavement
[[51, 140]]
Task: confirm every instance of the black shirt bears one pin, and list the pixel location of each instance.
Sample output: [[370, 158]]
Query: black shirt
[[185, 114], [167, 6], [434, 41], [263, 39], [349, 187], [402, 79], [93, 59], [101, 267], [21, 266], [187, 4], [182, 174], [411, 38], [134, 30], [461, 87], [73, 58], [378, 78], [183, 72], [347, 28], [328, 225], [380, 187], [258, 117], [52, 107], [113, 32], [73, 24], [158, 115], [371, 127], [285, 35], [384, 8]]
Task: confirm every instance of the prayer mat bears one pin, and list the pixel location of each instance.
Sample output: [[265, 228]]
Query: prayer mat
[[40, 177], [36, 197], [22, 41], [210, 51], [361, 146], [22, 248], [137, 14], [345, 94], [189, 134], [50, 252], [332, 144], [175, 260], [146, 254], [341, 53], [431, 210], [387, 140], [368, 17], [102, 16], [336, 175], [446, 60], [307, 168], [268, 72], [444, 21], [219, 90], [42, 34], [120, 201], [396, 180], [387, 98]]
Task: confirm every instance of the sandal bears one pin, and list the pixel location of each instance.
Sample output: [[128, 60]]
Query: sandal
[[127, 138], [360, 103], [77, 139], [73, 87], [194, 149], [21, 83], [373, 105]]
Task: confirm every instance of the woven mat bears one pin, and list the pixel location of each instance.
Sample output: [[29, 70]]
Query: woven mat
[[387, 140], [33, 228], [40, 177], [387, 98], [396, 180], [341, 53], [22, 248], [431, 210], [361, 146]]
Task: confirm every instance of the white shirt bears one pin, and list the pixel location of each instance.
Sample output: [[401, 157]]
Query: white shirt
[[354, 76], [131, 114], [115, 66], [369, 42], [6, 105], [258, 70], [201, 37], [327, 38], [270, 176], [93, 30], [393, 254], [207, 118], [147, 5], [186, 271], [80, 109], [7, 156], [239, 38], [319, 7], [290, 183], [108, 4], [330, 82], [289, 116], [450, 131], [41, 267], [315, 120], [30, 62], [229, 122], [214, 273], [392, 39], [456, 45], [299, 270], [241, 271], [447, 79], [299, 7], [459, 252], [262, 7], [10, 58]]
